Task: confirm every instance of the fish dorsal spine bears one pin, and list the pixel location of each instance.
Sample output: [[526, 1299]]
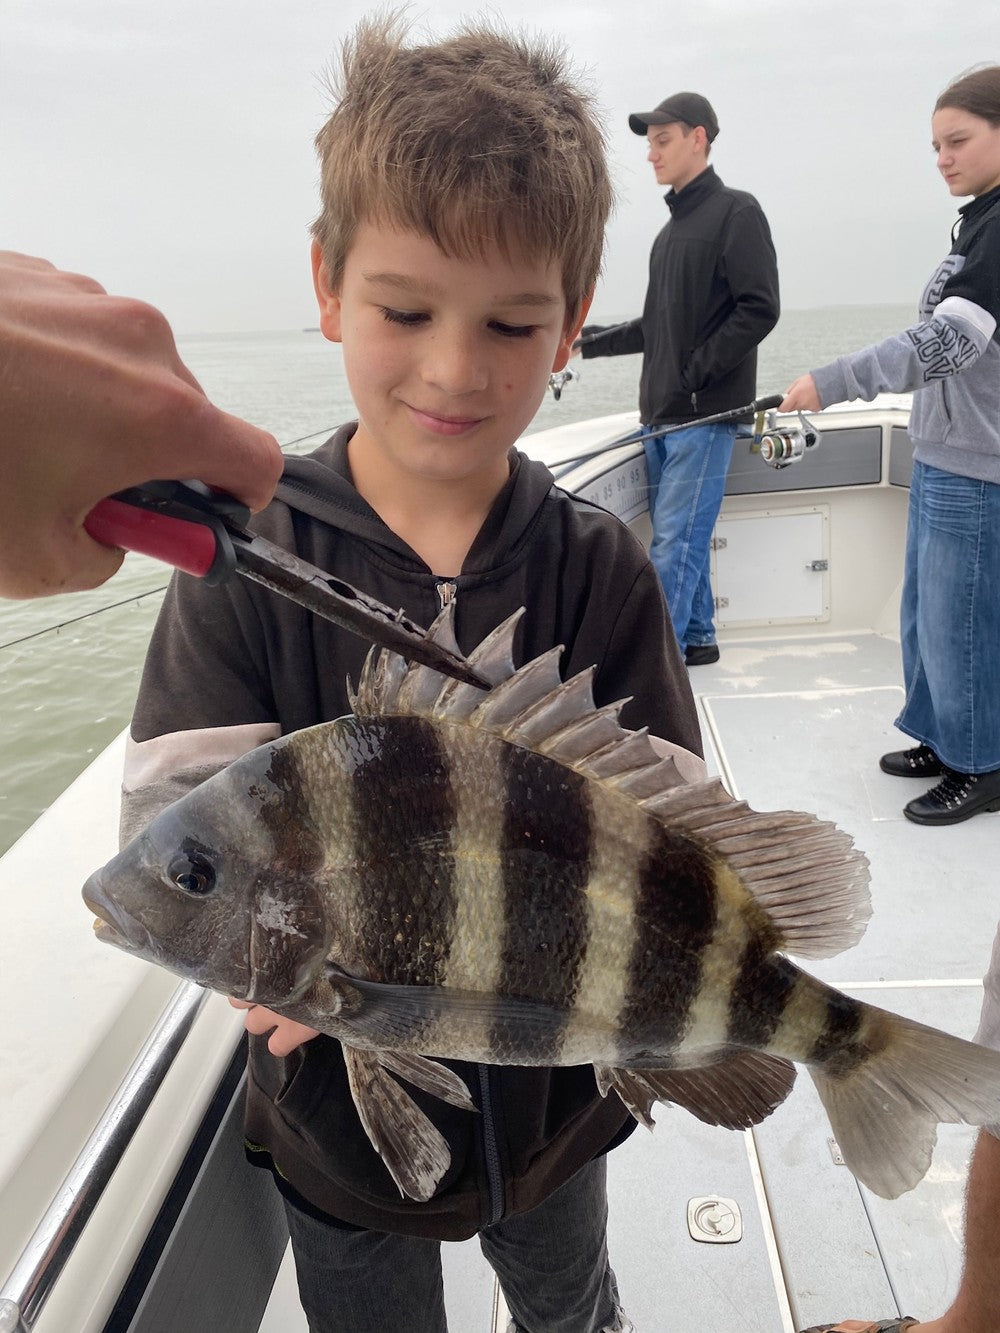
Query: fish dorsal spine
[[530, 706]]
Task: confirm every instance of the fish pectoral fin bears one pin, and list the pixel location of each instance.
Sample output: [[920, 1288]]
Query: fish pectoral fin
[[431, 1076], [414, 1151], [738, 1090], [385, 1015]]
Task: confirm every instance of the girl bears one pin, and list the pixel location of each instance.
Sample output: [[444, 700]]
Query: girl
[[950, 613]]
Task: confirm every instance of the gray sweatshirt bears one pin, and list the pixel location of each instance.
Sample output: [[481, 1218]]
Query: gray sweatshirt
[[951, 357]]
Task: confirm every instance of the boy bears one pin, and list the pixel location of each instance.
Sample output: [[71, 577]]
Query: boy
[[464, 200]]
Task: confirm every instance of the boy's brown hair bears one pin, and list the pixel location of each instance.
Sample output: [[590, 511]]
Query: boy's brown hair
[[475, 141]]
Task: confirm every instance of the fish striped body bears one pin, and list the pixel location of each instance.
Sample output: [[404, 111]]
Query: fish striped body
[[502, 871], [512, 878]]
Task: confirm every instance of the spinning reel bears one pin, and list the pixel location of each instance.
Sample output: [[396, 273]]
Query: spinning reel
[[780, 446]]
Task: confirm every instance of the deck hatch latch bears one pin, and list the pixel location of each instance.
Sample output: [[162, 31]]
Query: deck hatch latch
[[714, 1220]]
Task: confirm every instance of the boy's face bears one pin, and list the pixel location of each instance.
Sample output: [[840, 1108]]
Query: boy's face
[[447, 358], [677, 153]]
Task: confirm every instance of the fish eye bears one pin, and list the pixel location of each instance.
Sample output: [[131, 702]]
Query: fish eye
[[192, 872]]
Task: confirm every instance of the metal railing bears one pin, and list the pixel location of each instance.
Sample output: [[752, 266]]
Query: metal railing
[[30, 1284]]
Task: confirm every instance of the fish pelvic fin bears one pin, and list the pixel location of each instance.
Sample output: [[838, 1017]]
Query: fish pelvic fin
[[884, 1109], [431, 1076], [414, 1151], [739, 1090]]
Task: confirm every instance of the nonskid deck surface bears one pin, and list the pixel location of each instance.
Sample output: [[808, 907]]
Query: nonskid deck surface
[[799, 723]]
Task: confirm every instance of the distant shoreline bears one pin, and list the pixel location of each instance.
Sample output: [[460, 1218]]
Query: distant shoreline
[[607, 319]]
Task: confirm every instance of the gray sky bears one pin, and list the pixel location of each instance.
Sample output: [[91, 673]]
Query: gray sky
[[168, 151]]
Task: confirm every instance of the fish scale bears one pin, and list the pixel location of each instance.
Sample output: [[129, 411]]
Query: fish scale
[[403, 932], [546, 866], [510, 877]]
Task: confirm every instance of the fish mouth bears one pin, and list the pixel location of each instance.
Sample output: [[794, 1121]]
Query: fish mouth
[[111, 925]]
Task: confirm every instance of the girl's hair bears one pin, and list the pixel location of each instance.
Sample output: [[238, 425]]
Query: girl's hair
[[977, 91], [477, 141]]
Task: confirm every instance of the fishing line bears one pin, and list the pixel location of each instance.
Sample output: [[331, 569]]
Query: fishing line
[[87, 615], [137, 597]]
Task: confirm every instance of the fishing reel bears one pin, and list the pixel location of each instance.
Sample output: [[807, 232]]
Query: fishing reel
[[559, 379], [780, 446]]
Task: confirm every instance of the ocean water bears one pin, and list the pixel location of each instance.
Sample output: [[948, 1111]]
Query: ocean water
[[70, 665]]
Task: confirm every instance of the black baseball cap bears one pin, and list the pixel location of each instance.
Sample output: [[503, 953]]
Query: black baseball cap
[[691, 108]]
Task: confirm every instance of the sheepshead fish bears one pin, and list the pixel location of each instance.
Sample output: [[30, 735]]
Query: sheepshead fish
[[511, 877]]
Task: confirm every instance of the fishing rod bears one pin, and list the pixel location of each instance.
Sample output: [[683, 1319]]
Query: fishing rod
[[755, 408], [601, 333]]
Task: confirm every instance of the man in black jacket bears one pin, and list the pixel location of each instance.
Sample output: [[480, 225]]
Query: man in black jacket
[[712, 297]]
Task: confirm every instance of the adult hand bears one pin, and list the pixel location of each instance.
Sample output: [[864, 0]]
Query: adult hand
[[801, 396], [286, 1034], [94, 398]]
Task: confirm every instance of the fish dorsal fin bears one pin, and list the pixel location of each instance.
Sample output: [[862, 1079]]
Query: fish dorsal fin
[[378, 687], [388, 684], [804, 872], [531, 706]]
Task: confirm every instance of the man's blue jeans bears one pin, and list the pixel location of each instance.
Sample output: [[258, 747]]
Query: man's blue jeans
[[552, 1264], [687, 479], [950, 619]]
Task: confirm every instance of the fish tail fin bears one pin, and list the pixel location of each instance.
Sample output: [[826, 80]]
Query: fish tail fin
[[885, 1108]]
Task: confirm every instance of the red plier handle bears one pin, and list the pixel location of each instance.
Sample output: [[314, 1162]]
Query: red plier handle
[[180, 522]]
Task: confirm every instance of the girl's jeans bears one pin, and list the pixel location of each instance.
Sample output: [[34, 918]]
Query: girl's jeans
[[950, 619]]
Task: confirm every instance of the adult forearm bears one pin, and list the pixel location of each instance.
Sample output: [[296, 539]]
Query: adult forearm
[[976, 1308]]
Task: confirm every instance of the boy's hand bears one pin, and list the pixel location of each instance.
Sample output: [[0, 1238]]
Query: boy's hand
[[286, 1034]]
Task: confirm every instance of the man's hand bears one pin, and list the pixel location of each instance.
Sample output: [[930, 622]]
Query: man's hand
[[286, 1034], [801, 396], [94, 398]]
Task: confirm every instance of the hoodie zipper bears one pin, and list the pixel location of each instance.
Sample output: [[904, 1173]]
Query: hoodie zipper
[[447, 591], [491, 1153]]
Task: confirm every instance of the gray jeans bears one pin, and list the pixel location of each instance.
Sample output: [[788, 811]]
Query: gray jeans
[[552, 1264]]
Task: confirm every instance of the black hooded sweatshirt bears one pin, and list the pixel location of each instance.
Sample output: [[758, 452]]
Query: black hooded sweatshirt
[[712, 297], [239, 654]]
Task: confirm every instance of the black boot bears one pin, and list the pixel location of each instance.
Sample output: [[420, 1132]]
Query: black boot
[[701, 654], [957, 796], [920, 762]]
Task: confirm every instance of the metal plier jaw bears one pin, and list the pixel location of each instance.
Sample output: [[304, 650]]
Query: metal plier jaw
[[204, 532]]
